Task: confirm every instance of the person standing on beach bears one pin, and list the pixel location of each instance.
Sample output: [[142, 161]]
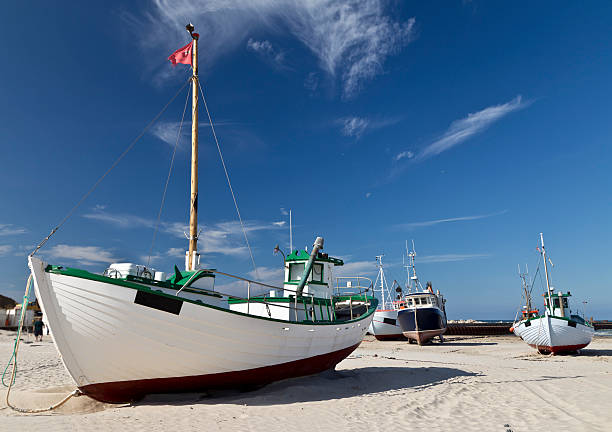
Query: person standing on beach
[[38, 329]]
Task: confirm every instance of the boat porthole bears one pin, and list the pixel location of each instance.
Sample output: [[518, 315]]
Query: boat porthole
[[286, 328]]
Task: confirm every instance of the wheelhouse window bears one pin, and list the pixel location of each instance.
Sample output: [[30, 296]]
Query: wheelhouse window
[[417, 301], [556, 303], [317, 272], [564, 302], [295, 271]]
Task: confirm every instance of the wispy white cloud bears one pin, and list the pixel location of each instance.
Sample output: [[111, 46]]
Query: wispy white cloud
[[168, 131], [10, 229], [311, 82], [353, 126], [356, 268], [368, 194], [222, 237], [269, 275], [405, 154], [414, 225], [5, 249], [118, 219], [357, 126], [350, 39], [266, 50], [86, 255], [284, 212], [461, 130], [426, 259]]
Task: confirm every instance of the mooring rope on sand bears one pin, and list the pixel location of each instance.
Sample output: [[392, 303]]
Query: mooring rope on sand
[[13, 359]]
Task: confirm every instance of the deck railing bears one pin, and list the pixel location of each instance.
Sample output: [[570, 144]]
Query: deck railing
[[362, 287]]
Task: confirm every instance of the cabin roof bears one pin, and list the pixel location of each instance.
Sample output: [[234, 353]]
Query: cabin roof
[[420, 294], [302, 255]]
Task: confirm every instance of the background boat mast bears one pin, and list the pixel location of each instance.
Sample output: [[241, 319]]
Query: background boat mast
[[525, 284], [550, 306], [193, 213], [381, 276]]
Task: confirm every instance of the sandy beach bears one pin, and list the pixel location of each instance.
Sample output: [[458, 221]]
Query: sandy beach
[[468, 383]]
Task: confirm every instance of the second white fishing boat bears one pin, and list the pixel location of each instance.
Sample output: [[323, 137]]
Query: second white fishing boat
[[559, 329]]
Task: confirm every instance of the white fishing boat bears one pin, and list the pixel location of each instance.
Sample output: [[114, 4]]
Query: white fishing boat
[[384, 324], [559, 329], [133, 330]]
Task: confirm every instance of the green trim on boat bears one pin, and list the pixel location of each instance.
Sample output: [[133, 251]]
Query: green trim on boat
[[305, 299], [130, 281], [302, 255], [585, 323], [187, 274], [83, 274]]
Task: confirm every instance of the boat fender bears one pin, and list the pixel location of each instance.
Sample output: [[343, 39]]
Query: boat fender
[[511, 329]]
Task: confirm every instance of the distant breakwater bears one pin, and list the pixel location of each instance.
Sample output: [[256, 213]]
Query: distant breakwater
[[499, 328]]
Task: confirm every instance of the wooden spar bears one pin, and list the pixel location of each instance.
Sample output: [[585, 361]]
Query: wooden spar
[[193, 214]]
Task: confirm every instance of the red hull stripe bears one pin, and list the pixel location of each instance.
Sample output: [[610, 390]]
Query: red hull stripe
[[561, 348], [127, 391]]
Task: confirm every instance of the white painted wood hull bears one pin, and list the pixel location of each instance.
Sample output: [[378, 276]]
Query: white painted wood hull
[[117, 350], [551, 334], [385, 325]]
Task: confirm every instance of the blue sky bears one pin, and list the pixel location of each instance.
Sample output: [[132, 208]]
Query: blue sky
[[468, 127]]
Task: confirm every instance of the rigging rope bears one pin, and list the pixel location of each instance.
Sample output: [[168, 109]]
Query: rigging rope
[[178, 137], [125, 152], [13, 359], [212, 128]]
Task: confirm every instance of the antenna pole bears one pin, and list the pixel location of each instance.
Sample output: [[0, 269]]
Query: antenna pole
[[290, 233], [193, 212]]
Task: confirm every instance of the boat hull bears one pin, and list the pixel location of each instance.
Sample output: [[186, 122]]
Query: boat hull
[[121, 391], [118, 348], [550, 334], [422, 324], [385, 325]]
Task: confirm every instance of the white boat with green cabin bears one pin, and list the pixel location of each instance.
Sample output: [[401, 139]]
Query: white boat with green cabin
[[559, 329], [133, 331]]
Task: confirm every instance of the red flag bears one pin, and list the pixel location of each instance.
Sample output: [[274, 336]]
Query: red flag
[[182, 55]]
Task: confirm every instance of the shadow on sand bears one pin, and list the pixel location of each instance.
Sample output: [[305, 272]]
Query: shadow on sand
[[459, 341], [324, 386], [588, 352], [463, 344]]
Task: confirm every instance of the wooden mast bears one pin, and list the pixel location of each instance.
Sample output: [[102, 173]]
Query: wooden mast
[[193, 214]]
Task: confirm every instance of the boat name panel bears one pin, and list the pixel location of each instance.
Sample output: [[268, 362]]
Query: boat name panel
[[154, 301]]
